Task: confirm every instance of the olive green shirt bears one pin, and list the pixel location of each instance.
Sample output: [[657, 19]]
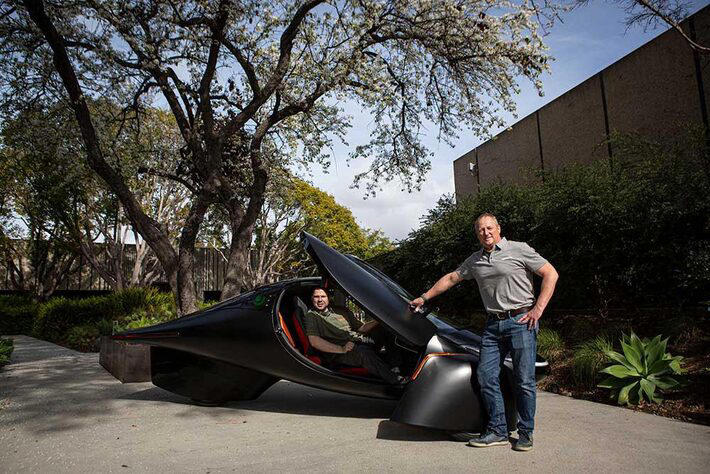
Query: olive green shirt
[[333, 326]]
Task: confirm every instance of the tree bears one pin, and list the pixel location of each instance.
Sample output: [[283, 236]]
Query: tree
[[49, 181], [653, 13], [37, 247], [607, 229], [252, 84], [292, 205]]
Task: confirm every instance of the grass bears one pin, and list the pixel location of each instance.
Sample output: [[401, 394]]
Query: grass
[[6, 348], [589, 358], [550, 344]]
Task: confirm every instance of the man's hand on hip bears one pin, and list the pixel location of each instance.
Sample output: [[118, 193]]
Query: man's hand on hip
[[348, 346], [531, 317]]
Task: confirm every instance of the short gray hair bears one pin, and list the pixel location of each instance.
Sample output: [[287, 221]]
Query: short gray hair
[[485, 214]]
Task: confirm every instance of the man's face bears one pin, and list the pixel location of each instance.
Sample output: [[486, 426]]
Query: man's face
[[488, 232], [319, 299]]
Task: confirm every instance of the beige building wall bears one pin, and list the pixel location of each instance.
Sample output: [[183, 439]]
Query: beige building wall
[[572, 126], [512, 155], [464, 176], [654, 91]]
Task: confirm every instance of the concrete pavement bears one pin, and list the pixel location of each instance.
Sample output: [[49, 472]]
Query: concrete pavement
[[60, 411]]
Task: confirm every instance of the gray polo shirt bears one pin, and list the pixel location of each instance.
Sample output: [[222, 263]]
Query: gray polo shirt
[[505, 275]]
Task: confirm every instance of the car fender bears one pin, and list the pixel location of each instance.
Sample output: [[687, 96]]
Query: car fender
[[444, 394]]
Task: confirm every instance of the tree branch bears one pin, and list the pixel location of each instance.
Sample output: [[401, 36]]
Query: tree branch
[[170, 176]]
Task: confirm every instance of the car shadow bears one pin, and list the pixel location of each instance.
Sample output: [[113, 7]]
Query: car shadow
[[292, 398], [393, 431]]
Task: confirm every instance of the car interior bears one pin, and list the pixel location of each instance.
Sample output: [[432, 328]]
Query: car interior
[[295, 303]]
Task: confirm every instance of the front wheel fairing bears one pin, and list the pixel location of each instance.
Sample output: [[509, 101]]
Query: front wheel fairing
[[450, 339]]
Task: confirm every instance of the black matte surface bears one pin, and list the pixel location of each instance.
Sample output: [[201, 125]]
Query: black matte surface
[[237, 349], [446, 395]]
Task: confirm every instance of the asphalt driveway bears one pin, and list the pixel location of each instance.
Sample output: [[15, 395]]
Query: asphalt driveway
[[60, 411]]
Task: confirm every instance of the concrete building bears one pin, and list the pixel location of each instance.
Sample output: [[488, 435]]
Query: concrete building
[[656, 90]]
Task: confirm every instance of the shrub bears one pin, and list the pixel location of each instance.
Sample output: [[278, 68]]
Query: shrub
[[568, 219], [84, 338], [142, 322], [159, 309], [578, 328], [17, 314], [58, 315], [644, 367], [589, 358], [550, 344], [6, 348], [105, 327]]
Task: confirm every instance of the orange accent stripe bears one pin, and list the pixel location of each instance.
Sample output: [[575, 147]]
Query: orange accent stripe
[[284, 328], [431, 356]]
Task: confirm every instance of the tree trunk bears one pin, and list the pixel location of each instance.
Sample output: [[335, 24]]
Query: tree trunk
[[236, 264], [185, 282], [149, 229]]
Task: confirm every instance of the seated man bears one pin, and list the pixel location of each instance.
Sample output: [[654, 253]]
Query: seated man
[[342, 338]]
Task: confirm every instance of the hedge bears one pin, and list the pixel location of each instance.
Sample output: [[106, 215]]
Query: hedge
[[633, 231], [6, 348], [58, 315], [78, 322], [17, 314]]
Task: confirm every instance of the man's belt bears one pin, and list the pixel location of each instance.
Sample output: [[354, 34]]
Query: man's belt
[[511, 313]]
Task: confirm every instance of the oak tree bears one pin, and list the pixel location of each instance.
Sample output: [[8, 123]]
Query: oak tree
[[255, 85]]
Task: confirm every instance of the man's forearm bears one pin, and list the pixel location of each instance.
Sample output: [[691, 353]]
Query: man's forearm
[[367, 327], [325, 346], [547, 288], [444, 283]]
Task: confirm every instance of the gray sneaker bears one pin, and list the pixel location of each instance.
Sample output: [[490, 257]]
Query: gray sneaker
[[488, 439], [524, 442]]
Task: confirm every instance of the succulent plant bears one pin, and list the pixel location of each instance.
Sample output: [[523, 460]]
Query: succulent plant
[[643, 370]]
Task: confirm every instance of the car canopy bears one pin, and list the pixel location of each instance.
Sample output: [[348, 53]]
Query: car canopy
[[374, 291]]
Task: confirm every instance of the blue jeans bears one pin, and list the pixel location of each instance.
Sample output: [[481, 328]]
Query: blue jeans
[[500, 338]]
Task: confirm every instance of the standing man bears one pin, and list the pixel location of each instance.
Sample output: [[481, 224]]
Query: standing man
[[504, 271]]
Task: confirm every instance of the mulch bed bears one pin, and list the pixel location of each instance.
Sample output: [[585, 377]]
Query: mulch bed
[[690, 403]]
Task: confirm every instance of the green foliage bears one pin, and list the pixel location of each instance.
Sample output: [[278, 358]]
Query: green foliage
[[604, 226], [58, 315], [589, 358], [644, 367], [17, 314], [578, 328], [202, 305], [6, 348], [105, 327], [550, 344], [159, 309], [334, 223], [140, 320], [84, 338]]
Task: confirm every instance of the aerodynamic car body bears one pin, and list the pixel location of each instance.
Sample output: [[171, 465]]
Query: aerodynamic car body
[[238, 348]]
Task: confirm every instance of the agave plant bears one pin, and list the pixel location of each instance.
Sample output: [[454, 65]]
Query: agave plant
[[644, 367]]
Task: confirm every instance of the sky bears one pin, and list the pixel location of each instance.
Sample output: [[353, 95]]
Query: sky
[[587, 40]]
